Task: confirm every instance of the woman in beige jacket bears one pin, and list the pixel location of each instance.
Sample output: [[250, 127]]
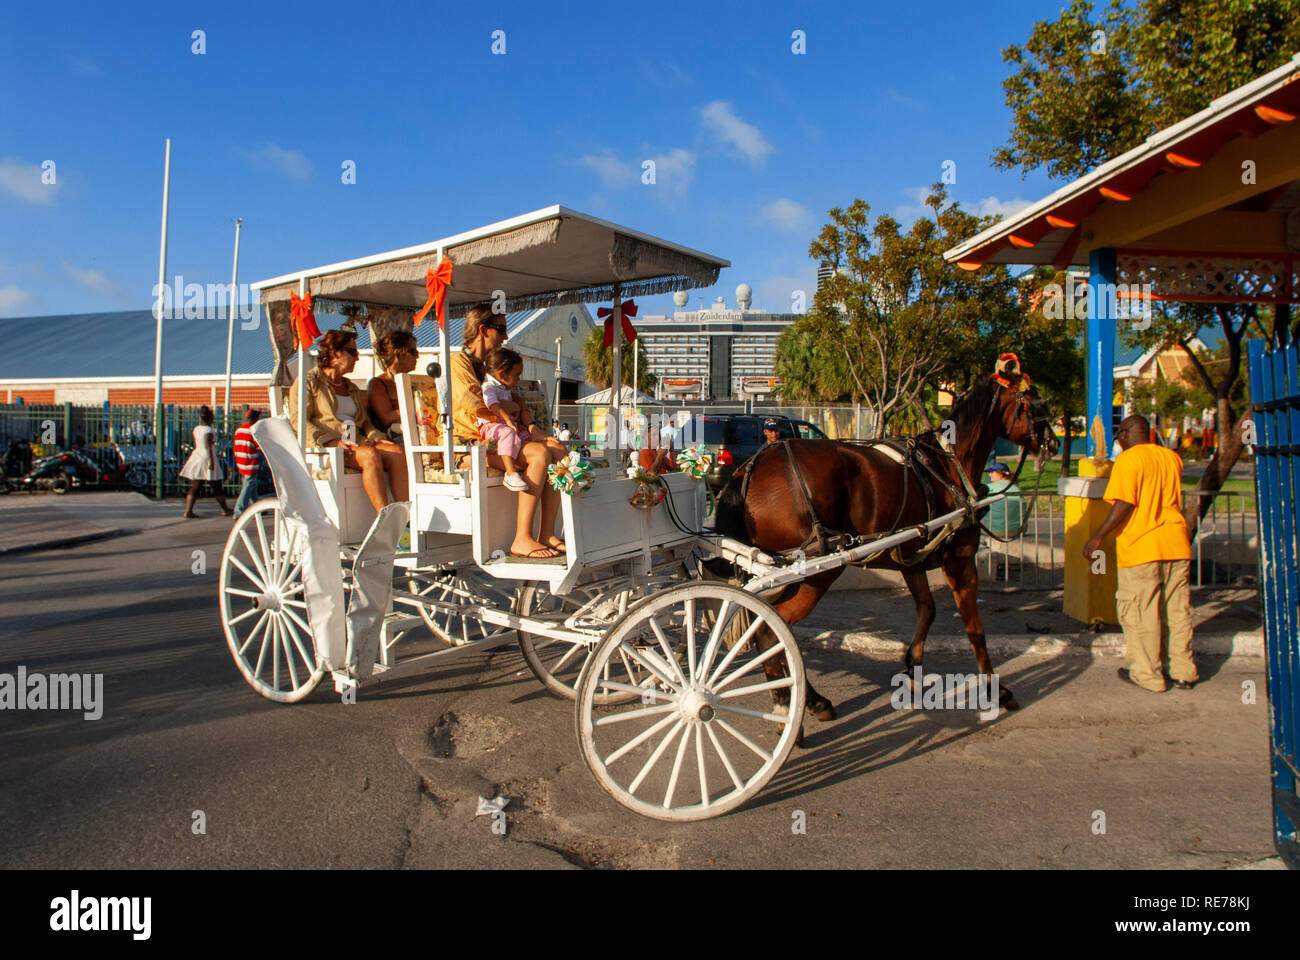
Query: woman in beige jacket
[[333, 402]]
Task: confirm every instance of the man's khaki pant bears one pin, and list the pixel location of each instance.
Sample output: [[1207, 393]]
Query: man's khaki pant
[[1155, 610]]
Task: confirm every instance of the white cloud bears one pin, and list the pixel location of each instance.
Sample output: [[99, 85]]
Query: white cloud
[[96, 282], [786, 214], [11, 298], [674, 170], [903, 100], [720, 120], [23, 180], [613, 172], [82, 64], [1003, 208], [777, 294], [905, 213], [293, 164]]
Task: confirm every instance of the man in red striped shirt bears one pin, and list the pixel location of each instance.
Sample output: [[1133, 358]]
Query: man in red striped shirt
[[248, 459]]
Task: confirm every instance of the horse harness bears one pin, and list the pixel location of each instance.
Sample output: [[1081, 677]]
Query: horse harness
[[918, 463]]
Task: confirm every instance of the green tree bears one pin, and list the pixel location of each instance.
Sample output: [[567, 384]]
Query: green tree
[[599, 360], [1089, 86], [1051, 348], [811, 370], [895, 311]]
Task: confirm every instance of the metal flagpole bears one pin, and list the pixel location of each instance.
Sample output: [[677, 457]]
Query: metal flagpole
[[230, 324], [636, 396], [158, 332], [559, 372]]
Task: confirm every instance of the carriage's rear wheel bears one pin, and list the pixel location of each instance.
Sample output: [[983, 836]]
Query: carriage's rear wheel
[[446, 595], [701, 737], [263, 609]]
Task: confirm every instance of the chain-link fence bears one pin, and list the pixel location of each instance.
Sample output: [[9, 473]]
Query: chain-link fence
[[111, 447]]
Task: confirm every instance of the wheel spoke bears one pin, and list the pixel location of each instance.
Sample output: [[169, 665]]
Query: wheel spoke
[[245, 615], [699, 762], [639, 739], [782, 718], [268, 556], [781, 684], [300, 604], [261, 653], [285, 627], [726, 760], [736, 647], [252, 555], [763, 754], [773, 651], [660, 750], [677, 767], [639, 691], [715, 636], [647, 659], [670, 657], [275, 655], [235, 561], [275, 535], [311, 664], [238, 592], [252, 634], [292, 574], [690, 639], [633, 714], [573, 651]]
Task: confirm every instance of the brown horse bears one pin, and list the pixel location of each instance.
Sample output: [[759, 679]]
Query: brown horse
[[790, 493]]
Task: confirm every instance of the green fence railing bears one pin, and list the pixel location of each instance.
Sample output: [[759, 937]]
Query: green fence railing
[[119, 441]]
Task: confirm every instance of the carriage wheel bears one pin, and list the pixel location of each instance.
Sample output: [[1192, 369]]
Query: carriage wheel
[[452, 626], [558, 663], [703, 735], [263, 609]]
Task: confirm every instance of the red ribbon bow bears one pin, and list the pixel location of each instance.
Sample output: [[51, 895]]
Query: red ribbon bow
[[436, 281], [303, 320], [628, 309]]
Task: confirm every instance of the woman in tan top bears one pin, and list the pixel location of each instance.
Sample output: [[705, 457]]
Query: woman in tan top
[[398, 353], [333, 399], [484, 332]]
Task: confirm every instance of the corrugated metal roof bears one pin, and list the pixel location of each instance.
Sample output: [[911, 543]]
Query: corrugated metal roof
[[121, 344]]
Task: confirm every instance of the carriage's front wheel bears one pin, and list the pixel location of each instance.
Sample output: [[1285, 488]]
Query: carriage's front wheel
[[702, 735], [263, 609]]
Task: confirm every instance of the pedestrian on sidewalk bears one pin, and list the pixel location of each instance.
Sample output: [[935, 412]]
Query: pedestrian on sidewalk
[[203, 466], [248, 461], [1154, 557]]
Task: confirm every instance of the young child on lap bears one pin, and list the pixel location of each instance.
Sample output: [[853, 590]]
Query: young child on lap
[[504, 368]]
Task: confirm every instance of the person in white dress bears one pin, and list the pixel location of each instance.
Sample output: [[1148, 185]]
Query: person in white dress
[[203, 465]]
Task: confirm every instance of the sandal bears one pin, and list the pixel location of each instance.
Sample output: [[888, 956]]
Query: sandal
[[539, 553]]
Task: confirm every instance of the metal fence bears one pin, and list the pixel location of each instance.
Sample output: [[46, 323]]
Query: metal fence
[[118, 440], [1275, 393], [838, 423], [1225, 551]]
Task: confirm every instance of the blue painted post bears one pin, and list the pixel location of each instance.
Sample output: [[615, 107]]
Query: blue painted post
[[1102, 307]]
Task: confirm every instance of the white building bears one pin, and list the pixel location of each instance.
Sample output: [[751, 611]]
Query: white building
[[713, 353]]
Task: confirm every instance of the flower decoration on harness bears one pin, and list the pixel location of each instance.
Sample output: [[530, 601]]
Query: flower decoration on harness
[[646, 495], [572, 475], [1008, 366], [695, 461]]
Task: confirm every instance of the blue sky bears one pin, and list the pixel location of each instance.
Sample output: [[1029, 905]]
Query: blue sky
[[752, 143]]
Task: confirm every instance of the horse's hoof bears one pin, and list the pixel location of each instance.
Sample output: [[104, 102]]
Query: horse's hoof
[[798, 738], [822, 710], [1007, 701]]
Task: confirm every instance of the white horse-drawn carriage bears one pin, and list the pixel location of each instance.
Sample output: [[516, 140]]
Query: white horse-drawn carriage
[[675, 709]]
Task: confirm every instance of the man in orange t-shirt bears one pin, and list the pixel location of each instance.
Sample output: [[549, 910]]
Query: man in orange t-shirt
[[1154, 557]]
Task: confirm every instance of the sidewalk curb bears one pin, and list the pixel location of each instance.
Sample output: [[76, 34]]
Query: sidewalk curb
[[1243, 644]]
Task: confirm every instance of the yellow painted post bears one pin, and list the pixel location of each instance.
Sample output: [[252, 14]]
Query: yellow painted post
[[1089, 596]]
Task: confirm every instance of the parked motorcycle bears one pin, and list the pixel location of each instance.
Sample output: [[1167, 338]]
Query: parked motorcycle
[[57, 473]]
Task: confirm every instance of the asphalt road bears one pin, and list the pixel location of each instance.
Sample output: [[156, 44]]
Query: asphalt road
[[393, 781]]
